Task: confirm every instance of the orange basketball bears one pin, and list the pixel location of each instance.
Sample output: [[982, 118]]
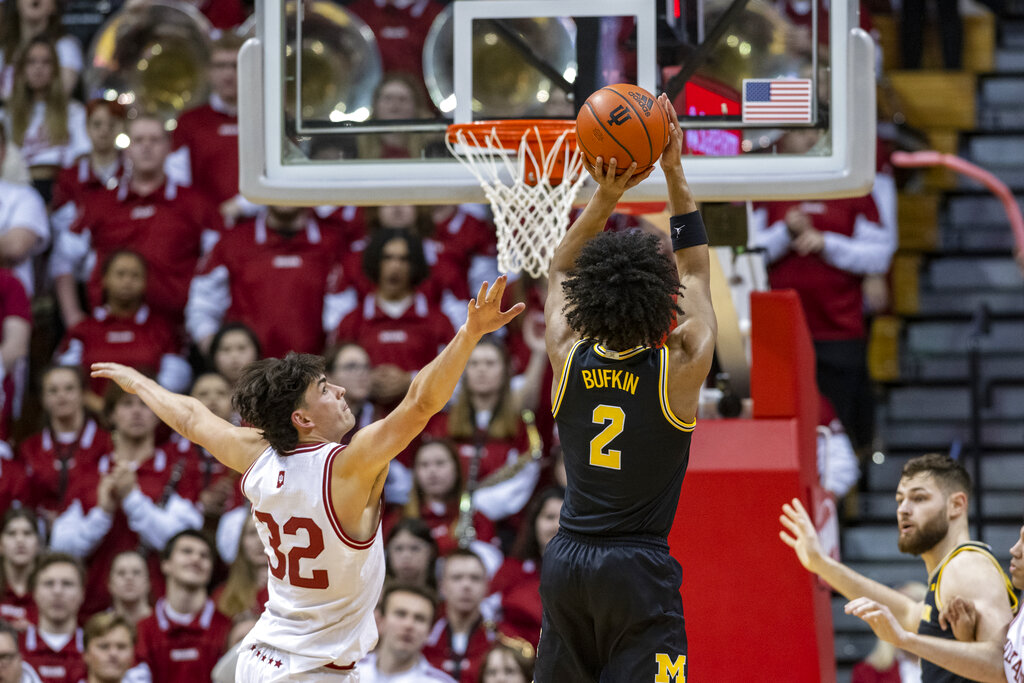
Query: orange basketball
[[623, 121]]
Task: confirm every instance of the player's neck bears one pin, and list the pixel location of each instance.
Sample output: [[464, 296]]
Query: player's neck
[[145, 184], [58, 628], [463, 622], [184, 600], [66, 424], [390, 662], [958, 534], [134, 611]]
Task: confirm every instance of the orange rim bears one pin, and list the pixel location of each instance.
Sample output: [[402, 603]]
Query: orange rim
[[510, 132]]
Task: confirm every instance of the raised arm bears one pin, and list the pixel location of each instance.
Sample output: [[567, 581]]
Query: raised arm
[[558, 336], [692, 343], [803, 539], [373, 447], [235, 447]]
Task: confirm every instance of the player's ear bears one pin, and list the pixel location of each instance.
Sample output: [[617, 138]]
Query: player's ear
[[957, 504], [300, 420]]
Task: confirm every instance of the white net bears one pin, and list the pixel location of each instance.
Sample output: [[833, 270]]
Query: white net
[[530, 198]]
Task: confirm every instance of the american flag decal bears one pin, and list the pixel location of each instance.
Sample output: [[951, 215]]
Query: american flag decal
[[785, 100]]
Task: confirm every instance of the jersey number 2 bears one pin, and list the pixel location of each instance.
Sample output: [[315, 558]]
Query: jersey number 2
[[613, 419], [290, 565]]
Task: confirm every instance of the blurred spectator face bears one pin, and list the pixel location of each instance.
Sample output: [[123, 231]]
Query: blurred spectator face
[[39, 68], [485, 371], [10, 660], [435, 470], [149, 146], [395, 270], [546, 525], [19, 542], [124, 283], [36, 10], [62, 394], [463, 583], [287, 219], [189, 565], [1017, 561], [351, 370], [235, 351], [133, 418], [109, 656], [409, 558], [398, 216], [501, 667], [406, 623], [395, 100], [214, 392], [129, 578], [224, 74], [58, 592], [103, 129]]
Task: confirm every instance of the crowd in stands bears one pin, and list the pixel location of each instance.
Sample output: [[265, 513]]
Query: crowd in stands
[[128, 553]]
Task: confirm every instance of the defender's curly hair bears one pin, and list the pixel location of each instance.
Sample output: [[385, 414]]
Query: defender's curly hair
[[620, 291], [269, 390]]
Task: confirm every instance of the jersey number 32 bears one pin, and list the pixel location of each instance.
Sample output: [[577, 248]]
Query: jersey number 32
[[289, 565]]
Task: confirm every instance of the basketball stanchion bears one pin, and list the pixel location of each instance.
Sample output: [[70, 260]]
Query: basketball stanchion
[[530, 172]]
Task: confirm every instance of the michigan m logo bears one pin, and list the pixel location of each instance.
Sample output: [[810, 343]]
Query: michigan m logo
[[669, 670]]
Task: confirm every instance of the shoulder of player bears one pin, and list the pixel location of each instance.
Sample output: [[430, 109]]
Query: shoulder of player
[[970, 574], [691, 341]]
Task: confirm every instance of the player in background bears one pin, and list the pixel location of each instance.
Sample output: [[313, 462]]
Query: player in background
[[316, 503], [625, 405]]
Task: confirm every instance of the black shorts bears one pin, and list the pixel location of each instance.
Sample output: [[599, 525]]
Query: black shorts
[[612, 611]]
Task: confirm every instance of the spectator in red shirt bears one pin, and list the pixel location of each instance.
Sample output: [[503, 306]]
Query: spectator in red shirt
[[125, 330], [14, 486], [138, 497], [461, 637], [110, 650], [15, 332], [509, 660], [246, 587], [399, 96], [206, 138], [71, 442], [186, 635], [13, 669], [282, 261], [348, 365], [400, 329], [516, 586], [411, 554], [232, 348], [54, 647], [437, 490], [24, 230], [20, 546], [129, 586], [168, 225]]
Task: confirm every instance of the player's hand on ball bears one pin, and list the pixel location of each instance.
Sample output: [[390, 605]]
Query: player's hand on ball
[[802, 537], [671, 156], [610, 180]]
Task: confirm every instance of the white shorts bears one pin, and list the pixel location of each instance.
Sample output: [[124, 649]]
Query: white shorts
[[259, 663]]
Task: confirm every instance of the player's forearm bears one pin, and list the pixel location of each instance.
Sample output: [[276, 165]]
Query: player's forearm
[[435, 383], [855, 585], [680, 199], [978, 661], [175, 410], [589, 224], [692, 261]]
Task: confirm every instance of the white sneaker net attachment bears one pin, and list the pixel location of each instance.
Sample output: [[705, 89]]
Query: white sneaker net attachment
[[530, 171]]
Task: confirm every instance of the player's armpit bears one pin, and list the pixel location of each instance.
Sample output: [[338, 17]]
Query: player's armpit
[[975, 577], [558, 335]]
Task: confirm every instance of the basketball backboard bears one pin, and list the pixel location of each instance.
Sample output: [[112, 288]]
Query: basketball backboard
[[317, 125]]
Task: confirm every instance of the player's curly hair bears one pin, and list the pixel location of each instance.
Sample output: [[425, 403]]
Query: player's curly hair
[[620, 291], [269, 390]]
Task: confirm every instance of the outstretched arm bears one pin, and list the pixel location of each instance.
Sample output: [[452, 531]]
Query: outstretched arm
[[235, 447], [978, 661], [803, 539], [558, 336]]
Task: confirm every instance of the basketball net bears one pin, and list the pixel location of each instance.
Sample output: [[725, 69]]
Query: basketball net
[[530, 172]]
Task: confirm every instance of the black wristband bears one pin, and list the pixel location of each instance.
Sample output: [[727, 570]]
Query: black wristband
[[687, 230]]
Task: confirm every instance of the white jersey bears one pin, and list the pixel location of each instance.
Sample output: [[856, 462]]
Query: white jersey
[[323, 585], [1013, 650]]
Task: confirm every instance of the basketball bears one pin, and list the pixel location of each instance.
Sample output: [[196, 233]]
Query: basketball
[[624, 122]]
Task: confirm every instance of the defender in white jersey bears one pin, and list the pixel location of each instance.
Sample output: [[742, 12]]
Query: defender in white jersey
[[997, 660], [316, 503]]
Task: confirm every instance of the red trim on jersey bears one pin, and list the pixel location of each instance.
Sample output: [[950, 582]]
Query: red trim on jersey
[[331, 515], [335, 667]]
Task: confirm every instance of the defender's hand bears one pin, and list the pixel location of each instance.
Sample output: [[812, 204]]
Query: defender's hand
[[672, 155], [960, 615], [127, 378], [485, 314], [879, 618], [804, 538]]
